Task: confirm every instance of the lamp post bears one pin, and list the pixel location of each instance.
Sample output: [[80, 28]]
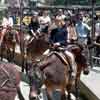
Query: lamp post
[[21, 34], [93, 2]]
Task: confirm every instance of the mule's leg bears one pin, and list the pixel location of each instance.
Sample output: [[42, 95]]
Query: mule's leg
[[9, 55], [23, 64], [77, 89], [20, 94], [33, 89], [13, 53], [69, 91], [1, 52]]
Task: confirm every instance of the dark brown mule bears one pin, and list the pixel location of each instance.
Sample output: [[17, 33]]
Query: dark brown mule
[[34, 49], [9, 82], [82, 65], [10, 39], [57, 72], [37, 47]]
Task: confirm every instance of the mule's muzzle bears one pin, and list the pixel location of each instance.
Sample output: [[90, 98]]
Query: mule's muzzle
[[86, 71], [32, 98]]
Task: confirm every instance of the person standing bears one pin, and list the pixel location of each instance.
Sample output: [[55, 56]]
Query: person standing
[[34, 25], [72, 35], [82, 30], [44, 22]]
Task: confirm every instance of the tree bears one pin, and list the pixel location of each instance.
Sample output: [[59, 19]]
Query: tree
[[73, 2], [98, 2], [59, 2]]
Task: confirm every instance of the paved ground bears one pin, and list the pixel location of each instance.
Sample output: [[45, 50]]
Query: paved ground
[[92, 81], [24, 90]]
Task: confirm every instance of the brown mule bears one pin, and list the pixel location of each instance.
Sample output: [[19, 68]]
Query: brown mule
[[9, 82], [9, 41], [57, 76]]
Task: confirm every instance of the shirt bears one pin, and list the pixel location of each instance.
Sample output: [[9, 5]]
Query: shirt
[[97, 29], [82, 29], [58, 35], [44, 21], [34, 26], [7, 22]]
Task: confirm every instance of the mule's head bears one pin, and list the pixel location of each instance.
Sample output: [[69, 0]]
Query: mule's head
[[80, 58], [32, 69]]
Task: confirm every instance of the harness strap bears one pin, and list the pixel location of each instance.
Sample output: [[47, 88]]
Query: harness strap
[[8, 75], [61, 56], [67, 58], [64, 58]]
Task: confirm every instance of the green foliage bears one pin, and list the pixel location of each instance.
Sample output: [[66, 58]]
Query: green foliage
[[98, 2], [77, 2], [59, 2]]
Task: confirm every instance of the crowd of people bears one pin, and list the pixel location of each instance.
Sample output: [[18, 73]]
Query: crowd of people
[[65, 26]]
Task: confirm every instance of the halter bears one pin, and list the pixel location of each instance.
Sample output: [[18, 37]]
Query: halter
[[6, 80]]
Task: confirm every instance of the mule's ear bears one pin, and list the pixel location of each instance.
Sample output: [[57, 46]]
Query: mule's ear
[[76, 50], [80, 46]]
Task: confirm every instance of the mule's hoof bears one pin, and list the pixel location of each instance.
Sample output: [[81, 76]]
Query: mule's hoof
[[32, 98], [77, 98], [86, 72], [63, 97]]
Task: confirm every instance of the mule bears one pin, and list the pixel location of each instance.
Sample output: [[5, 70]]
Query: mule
[[57, 72], [9, 82], [10, 39], [33, 50]]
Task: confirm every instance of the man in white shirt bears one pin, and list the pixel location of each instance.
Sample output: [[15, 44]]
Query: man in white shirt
[[44, 22]]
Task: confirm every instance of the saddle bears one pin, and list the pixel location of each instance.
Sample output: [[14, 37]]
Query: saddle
[[75, 49], [63, 57]]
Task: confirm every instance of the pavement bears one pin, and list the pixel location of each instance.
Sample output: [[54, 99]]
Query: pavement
[[24, 90], [92, 82]]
